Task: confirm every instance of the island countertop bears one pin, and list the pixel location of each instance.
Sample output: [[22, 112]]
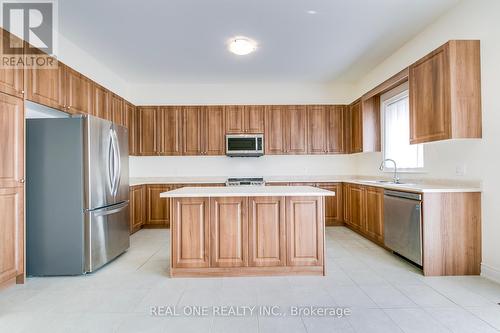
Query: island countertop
[[247, 191]]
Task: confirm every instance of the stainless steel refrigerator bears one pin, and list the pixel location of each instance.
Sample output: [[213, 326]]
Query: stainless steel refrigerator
[[77, 194]]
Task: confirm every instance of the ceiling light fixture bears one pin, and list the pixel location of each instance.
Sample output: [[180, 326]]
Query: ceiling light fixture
[[311, 12], [242, 45]]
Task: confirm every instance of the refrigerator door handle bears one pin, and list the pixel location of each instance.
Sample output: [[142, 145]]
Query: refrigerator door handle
[[117, 162], [111, 164], [110, 210]]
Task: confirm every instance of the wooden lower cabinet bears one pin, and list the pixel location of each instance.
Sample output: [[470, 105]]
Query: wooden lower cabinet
[[190, 233], [356, 206], [374, 214], [266, 233], [11, 235], [229, 232], [235, 236], [157, 209], [333, 204], [305, 231], [137, 207]]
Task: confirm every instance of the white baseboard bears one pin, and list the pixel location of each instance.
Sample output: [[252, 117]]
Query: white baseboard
[[490, 273]]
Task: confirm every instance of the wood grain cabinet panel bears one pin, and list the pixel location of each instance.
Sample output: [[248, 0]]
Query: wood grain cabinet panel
[[318, 129], [374, 214], [213, 123], [229, 232], [445, 93], [335, 132], [78, 92], [11, 233], [333, 204], [235, 119], [101, 107], [267, 236], [148, 130], [131, 113], [118, 113], [137, 207], [356, 206], [192, 130], [11, 79], [254, 119], [170, 130], [346, 202], [356, 128], [11, 141], [275, 130], [47, 86], [296, 129], [305, 225], [190, 229], [158, 209]]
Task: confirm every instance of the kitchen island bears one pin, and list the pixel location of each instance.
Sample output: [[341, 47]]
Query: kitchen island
[[247, 230]]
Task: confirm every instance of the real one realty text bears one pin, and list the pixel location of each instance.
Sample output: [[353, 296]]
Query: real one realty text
[[246, 311]]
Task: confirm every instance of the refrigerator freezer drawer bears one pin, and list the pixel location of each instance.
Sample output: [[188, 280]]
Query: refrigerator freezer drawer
[[106, 235]]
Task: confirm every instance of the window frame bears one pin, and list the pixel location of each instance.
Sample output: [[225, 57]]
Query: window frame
[[389, 97]]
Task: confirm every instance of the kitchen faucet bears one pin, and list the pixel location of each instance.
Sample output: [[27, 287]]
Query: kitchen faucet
[[395, 178]]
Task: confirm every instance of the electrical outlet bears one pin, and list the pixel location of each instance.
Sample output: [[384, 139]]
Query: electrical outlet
[[460, 170]]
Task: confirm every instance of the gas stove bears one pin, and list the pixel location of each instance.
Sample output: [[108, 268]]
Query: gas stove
[[259, 181]]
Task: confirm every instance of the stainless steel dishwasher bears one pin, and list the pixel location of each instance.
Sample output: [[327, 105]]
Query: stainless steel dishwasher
[[403, 224]]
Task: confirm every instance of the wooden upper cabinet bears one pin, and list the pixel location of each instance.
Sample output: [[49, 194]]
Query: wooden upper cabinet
[[12, 235], [333, 204], [131, 113], [235, 119], [101, 107], [267, 236], [191, 130], [78, 92], [229, 232], [214, 142], [11, 141], [147, 117], [245, 119], [170, 130], [318, 129], [356, 128], [11, 79], [254, 119], [274, 139], [445, 93], [304, 225], [190, 233], [46, 86], [374, 213], [296, 129], [371, 132], [336, 136], [118, 110]]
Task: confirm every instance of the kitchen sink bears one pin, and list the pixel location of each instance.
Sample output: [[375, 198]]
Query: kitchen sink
[[388, 182]]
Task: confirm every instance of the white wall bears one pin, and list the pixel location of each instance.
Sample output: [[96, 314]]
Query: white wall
[[471, 19], [186, 166], [264, 93]]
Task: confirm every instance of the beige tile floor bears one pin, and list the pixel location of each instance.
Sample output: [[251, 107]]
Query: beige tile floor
[[384, 293]]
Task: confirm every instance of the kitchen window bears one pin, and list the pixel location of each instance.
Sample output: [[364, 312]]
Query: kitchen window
[[396, 131]]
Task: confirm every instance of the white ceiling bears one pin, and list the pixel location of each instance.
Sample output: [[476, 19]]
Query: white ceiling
[[183, 41]]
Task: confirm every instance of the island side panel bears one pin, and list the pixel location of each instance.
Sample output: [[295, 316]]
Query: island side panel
[[305, 231]]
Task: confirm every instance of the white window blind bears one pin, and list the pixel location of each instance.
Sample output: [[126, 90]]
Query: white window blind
[[396, 120]]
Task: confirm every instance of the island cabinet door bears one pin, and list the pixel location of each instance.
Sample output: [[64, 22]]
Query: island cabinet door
[[229, 232], [267, 237], [190, 233], [305, 228]]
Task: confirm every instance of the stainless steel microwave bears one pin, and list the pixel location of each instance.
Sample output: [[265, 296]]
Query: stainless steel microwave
[[244, 145]]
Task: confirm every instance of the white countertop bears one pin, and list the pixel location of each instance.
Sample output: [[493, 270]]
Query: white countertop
[[421, 186], [247, 191]]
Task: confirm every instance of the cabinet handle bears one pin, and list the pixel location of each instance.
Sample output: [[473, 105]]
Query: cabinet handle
[[21, 180]]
